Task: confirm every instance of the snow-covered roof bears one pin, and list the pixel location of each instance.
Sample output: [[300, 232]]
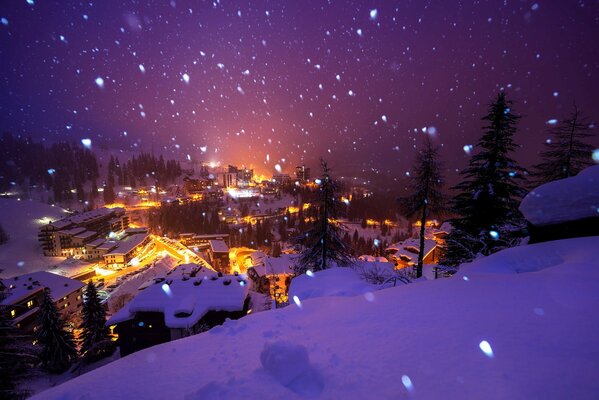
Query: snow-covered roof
[[95, 243], [218, 246], [72, 231], [129, 243], [276, 265], [410, 248], [85, 234], [186, 270], [185, 302], [564, 200], [21, 287], [86, 216]]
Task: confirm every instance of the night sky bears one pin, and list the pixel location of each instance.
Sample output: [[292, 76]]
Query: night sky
[[263, 83]]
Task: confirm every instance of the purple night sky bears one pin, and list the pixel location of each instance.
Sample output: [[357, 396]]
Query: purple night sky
[[240, 81]]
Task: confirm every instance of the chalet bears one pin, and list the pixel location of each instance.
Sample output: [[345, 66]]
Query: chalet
[[218, 254], [405, 254], [176, 308], [272, 276], [126, 250], [23, 294]]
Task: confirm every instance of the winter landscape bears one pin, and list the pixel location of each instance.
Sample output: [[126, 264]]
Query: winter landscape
[[316, 199]]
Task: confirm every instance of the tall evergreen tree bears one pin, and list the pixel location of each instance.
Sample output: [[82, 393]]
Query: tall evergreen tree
[[58, 347], [489, 195], [426, 198], [17, 356], [322, 244], [566, 153], [109, 195], [95, 338], [3, 235]]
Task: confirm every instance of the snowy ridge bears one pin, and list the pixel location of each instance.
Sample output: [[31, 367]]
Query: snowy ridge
[[492, 333]]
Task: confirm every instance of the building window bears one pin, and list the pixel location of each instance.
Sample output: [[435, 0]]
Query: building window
[[30, 304], [13, 313]]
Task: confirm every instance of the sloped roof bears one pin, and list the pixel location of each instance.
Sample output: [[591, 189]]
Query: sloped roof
[[25, 285], [185, 302]]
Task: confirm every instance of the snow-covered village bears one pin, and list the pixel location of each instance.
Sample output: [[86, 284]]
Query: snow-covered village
[[317, 199]]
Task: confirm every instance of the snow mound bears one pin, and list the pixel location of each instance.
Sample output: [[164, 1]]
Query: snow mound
[[290, 365], [534, 257], [330, 282], [564, 200]]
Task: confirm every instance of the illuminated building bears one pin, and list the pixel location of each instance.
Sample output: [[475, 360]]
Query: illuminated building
[[68, 236], [22, 295], [302, 174]]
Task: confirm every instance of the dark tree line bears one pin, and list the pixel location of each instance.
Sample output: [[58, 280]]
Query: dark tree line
[[195, 217], [145, 169], [59, 167]]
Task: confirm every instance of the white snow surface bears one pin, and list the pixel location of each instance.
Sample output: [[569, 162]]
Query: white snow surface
[[564, 200], [532, 311], [343, 281], [21, 219]]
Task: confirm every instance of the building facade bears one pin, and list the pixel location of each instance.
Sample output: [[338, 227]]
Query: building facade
[[67, 237]]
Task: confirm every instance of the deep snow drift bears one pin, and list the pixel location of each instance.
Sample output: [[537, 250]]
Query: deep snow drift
[[519, 324], [563, 200]]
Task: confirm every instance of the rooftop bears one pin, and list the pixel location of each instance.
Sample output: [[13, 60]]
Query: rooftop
[[86, 217], [276, 265], [129, 243], [218, 246], [185, 302], [25, 285]]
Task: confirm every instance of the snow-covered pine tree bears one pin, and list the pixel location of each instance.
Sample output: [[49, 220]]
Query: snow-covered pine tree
[[488, 197], [95, 338], [58, 347], [566, 153], [322, 244], [426, 197], [17, 356]]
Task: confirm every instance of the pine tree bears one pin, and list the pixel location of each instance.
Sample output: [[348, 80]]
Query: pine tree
[[322, 245], [3, 235], [489, 195], [566, 153], [17, 356], [426, 198], [109, 195], [58, 347], [95, 338]]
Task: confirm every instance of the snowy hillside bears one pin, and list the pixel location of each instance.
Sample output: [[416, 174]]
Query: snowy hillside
[[520, 324], [22, 220]]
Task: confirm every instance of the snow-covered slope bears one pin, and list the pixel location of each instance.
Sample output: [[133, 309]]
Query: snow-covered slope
[[22, 220], [521, 324], [564, 200]]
